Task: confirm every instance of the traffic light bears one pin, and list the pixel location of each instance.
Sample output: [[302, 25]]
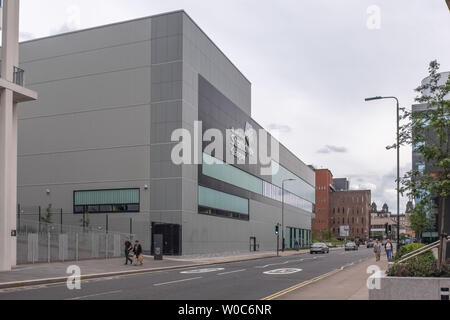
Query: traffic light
[[386, 230], [389, 229], [276, 230]]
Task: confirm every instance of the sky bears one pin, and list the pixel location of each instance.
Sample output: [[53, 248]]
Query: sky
[[311, 64]]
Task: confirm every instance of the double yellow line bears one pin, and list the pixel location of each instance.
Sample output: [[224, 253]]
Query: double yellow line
[[300, 285]]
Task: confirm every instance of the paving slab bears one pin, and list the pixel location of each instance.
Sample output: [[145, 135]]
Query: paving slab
[[347, 284]]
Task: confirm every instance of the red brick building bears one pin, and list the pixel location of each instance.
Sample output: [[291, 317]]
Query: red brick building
[[324, 187], [351, 208]]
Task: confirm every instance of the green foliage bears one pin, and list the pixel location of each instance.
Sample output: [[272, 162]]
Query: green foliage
[[419, 219], [407, 249], [424, 265], [419, 127]]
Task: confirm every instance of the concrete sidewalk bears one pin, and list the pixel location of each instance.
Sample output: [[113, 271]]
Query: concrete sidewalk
[[347, 284], [37, 274]]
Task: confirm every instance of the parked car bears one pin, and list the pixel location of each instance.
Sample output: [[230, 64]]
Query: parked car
[[319, 247], [370, 244], [351, 246]]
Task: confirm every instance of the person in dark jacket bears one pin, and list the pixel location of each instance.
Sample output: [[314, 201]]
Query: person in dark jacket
[[128, 248], [138, 252]]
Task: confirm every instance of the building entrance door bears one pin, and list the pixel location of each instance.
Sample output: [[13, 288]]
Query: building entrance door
[[171, 238]]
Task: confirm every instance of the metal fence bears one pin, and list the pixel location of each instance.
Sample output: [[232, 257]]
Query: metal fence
[[39, 242]]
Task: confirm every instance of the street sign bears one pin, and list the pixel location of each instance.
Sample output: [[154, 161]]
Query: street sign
[[344, 231]]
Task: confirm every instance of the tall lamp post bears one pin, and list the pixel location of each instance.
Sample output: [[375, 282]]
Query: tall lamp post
[[282, 212], [398, 162]]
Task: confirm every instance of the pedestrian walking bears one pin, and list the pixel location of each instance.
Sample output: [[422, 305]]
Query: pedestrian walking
[[137, 249], [377, 249], [128, 248], [388, 248]]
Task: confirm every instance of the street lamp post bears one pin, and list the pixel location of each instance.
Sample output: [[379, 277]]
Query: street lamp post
[[282, 213], [398, 162]]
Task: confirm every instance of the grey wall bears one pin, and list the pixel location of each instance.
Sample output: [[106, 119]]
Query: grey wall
[[90, 127], [109, 99]]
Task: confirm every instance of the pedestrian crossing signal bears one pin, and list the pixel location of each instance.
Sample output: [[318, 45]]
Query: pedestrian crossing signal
[[389, 229], [276, 230]]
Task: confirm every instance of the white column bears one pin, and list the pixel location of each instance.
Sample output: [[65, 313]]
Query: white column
[[8, 136]]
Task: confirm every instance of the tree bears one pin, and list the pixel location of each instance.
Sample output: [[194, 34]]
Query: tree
[[419, 220], [428, 133]]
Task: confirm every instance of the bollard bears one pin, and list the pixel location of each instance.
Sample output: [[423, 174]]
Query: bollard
[[445, 294]]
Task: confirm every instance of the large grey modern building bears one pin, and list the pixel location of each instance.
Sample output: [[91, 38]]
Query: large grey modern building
[[99, 139]]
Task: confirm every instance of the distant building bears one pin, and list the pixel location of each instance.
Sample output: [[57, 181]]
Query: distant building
[[341, 184], [378, 220], [324, 187], [351, 208]]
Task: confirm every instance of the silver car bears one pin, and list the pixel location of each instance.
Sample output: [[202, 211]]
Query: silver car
[[319, 247], [351, 246]]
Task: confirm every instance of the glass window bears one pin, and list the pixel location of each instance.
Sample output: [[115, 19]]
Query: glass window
[[219, 200], [219, 170], [105, 201]]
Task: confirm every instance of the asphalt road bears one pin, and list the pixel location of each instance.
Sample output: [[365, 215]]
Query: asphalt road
[[247, 280]]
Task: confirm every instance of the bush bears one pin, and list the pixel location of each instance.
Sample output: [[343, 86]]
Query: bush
[[424, 265], [406, 249]]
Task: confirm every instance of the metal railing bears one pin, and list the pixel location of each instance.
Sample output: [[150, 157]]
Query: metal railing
[[418, 252], [39, 242], [18, 75]]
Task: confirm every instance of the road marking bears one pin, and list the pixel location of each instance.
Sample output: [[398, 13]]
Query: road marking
[[220, 274], [300, 285], [176, 281], [204, 270], [281, 263], [283, 271], [347, 265], [95, 295]]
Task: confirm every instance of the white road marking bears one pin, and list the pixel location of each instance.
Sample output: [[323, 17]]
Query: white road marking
[[235, 271], [283, 271], [281, 263], [204, 270], [176, 281], [95, 295]]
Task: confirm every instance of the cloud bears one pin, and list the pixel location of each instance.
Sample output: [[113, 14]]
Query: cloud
[[330, 149], [72, 23]]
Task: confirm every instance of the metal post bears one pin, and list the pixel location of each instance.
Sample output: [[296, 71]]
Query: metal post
[[18, 218], [278, 245], [39, 222], [398, 175], [282, 216], [106, 245], [107, 223], [131, 226], [76, 246], [48, 247]]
